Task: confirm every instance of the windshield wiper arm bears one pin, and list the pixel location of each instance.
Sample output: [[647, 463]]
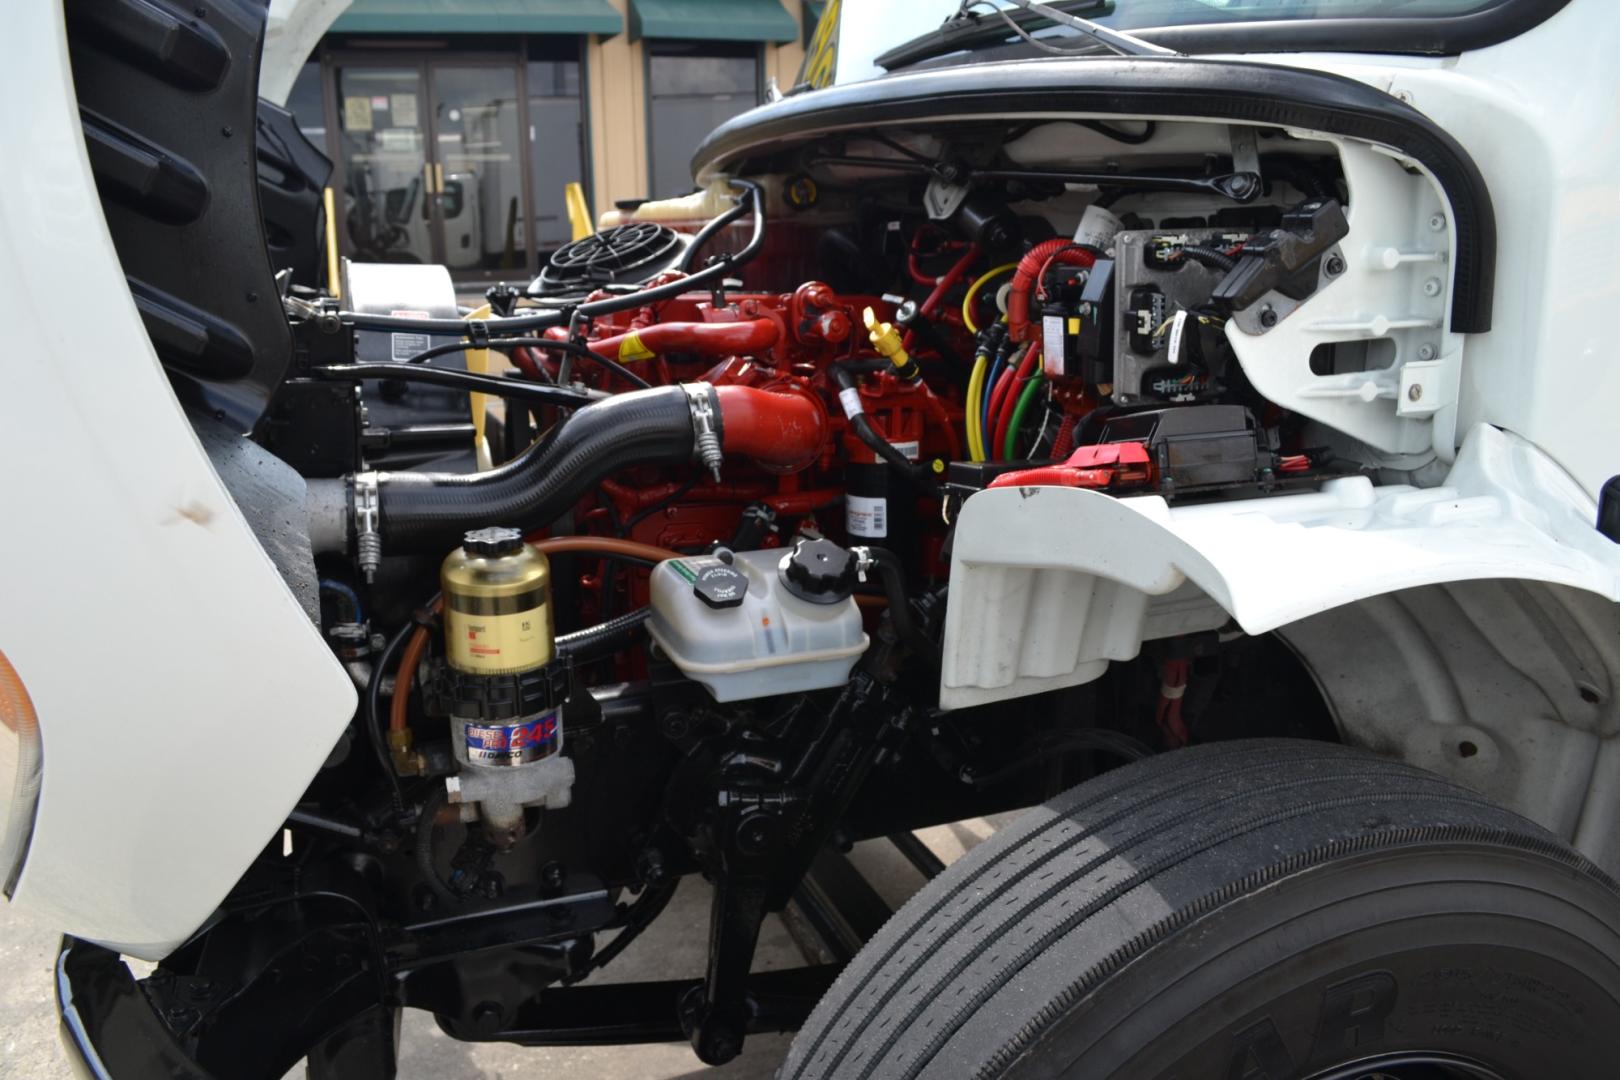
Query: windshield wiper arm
[[966, 31], [1124, 44]]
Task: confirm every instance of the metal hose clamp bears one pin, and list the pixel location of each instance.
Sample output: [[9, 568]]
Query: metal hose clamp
[[705, 427], [367, 540]]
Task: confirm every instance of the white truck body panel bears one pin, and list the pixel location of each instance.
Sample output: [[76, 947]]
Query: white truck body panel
[[185, 700]]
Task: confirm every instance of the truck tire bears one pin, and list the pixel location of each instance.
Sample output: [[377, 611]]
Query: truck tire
[[1260, 910]]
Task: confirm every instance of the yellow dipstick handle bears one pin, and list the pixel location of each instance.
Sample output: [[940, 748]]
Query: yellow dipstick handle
[[886, 340]]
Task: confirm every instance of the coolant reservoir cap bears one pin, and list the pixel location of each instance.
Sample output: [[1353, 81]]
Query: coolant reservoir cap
[[819, 571], [713, 578], [493, 542]]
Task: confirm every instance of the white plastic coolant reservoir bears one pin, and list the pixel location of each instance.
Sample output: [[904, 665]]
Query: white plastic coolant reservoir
[[735, 628]]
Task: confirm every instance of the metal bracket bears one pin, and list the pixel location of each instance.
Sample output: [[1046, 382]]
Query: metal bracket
[[942, 198], [1245, 149]]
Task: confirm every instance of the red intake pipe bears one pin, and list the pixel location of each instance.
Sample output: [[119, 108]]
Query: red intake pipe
[[784, 430], [706, 338]]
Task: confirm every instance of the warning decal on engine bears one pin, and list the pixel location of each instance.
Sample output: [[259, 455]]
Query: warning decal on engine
[[405, 346], [866, 516], [514, 744], [633, 348]]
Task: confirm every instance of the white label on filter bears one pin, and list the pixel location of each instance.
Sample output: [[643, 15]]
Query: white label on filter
[[866, 516], [851, 401], [1097, 228], [1052, 345], [912, 449]]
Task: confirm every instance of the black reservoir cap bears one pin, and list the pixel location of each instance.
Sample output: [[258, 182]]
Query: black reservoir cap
[[492, 542], [714, 580], [819, 571]]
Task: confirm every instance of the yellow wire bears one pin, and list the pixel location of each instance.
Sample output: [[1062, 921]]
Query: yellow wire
[[972, 290], [981, 365]]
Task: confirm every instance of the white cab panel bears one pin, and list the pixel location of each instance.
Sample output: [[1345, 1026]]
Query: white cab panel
[[185, 699]]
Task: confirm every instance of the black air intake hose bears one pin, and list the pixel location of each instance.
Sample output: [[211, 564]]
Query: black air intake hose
[[430, 511]]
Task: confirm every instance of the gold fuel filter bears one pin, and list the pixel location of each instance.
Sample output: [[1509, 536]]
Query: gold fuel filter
[[497, 604]]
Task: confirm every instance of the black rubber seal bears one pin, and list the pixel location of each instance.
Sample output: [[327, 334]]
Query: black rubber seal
[[1243, 92]]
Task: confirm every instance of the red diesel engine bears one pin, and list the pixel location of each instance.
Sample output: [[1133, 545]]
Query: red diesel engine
[[798, 375]]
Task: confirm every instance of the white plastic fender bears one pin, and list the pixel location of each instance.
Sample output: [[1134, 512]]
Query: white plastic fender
[[185, 699], [1048, 584]]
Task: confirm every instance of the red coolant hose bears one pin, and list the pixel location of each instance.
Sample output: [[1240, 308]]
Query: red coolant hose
[[1057, 250], [785, 429]]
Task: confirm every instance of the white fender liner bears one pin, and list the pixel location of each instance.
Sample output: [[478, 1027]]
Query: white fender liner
[[1049, 584]]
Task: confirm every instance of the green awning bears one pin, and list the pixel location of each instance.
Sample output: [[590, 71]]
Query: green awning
[[712, 20], [479, 17]]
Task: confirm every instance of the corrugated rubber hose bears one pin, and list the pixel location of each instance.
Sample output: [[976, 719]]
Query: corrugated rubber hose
[[430, 511]]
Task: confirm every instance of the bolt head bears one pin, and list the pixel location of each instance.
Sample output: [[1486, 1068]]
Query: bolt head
[[1414, 392], [1431, 287], [1437, 222], [1426, 351], [1268, 318], [1335, 266], [487, 1018]]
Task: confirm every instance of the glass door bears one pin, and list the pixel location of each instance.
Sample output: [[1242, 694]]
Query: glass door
[[431, 162], [389, 210], [478, 168]]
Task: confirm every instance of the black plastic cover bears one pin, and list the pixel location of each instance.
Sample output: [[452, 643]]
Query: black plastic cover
[[292, 175]]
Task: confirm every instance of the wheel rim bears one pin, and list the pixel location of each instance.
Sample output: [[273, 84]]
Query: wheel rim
[[1411, 1065]]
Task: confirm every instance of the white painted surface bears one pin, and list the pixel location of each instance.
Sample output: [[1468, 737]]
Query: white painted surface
[[292, 30], [1540, 116], [185, 700], [1027, 614]]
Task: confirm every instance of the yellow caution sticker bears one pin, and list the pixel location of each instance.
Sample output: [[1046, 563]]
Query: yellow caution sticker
[[632, 348]]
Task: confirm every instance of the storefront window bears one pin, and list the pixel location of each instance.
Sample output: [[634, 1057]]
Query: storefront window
[[388, 183], [556, 147], [480, 197], [692, 89]]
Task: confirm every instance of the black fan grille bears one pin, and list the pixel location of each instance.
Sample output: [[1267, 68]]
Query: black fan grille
[[614, 254]]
